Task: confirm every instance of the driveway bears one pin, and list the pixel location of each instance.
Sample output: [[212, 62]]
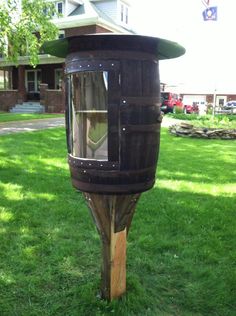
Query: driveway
[[168, 121], [30, 126], [34, 125]]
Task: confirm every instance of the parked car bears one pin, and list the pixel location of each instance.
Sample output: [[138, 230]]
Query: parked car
[[170, 101], [230, 106], [191, 108]]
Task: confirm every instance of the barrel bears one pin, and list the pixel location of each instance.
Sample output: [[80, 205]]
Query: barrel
[[113, 109]]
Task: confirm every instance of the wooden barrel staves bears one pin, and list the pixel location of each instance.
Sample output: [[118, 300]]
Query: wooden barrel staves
[[113, 123], [133, 118]]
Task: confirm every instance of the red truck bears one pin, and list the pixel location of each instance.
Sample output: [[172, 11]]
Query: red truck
[[170, 101]]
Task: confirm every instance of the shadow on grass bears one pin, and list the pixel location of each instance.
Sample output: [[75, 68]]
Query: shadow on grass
[[180, 250]]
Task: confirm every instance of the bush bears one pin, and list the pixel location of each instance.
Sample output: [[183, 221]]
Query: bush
[[178, 110], [217, 121], [209, 109]]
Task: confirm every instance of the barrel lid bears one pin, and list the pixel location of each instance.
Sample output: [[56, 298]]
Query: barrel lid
[[162, 48]]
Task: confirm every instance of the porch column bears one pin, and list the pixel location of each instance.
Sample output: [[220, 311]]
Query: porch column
[[21, 84], [63, 89], [43, 87]]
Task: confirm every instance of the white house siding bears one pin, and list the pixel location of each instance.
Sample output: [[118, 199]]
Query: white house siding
[[109, 7], [70, 7], [199, 99]]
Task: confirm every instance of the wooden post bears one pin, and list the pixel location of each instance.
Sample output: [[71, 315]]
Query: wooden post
[[21, 84], [112, 215]]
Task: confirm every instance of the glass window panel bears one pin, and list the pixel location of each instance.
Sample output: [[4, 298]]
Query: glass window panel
[[89, 115], [30, 75], [58, 78], [39, 75], [38, 79], [59, 7], [5, 79], [30, 86], [2, 80]]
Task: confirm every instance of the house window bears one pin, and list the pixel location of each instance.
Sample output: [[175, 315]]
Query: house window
[[59, 8], [124, 13], [58, 78], [5, 79], [61, 34]]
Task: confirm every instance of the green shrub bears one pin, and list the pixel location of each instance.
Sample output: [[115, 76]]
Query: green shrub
[[209, 108], [178, 110], [209, 121]]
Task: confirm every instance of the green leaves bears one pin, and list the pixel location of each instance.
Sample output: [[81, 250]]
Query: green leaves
[[24, 27]]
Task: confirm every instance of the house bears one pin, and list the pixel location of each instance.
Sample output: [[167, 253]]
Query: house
[[28, 87], [201, 95]]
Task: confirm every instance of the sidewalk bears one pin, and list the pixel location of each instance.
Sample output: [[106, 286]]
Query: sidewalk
[[168, 121], [30, 126]]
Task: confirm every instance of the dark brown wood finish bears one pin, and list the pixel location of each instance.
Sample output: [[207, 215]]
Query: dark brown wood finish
[[133, 122]]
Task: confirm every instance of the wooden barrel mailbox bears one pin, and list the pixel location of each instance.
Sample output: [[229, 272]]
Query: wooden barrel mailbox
[[113, 121]]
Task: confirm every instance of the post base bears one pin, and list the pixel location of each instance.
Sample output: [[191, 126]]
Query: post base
[[112, 215]]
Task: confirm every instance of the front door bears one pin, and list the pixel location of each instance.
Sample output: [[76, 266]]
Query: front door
[[33, 79]]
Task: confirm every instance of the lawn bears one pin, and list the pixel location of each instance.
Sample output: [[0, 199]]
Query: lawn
[[9, 117], [181, 246]]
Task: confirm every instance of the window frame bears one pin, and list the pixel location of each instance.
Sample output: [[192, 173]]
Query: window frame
[[113, 69], [62, 7], [55, 77], [123, 13], [7, 79]]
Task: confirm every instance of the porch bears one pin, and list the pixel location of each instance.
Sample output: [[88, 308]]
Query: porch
[[24, 86]]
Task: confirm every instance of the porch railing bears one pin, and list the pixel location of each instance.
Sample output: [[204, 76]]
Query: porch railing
[[52, 99]]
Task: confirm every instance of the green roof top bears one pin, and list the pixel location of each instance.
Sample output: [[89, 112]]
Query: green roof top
[[162, 48]]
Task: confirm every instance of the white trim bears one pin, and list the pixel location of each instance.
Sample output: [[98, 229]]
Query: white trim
[[61, 34], [55, 70], [123, 13], [62, 7], [72, 22]]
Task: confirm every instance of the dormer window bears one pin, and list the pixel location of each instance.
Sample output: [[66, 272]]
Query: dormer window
[[124, 13], [60, 7]]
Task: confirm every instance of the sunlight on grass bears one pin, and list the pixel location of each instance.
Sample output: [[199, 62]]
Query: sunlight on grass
[[12, 191], [5, 216], [24, 230], [52, 163], [188, 186], [42, 196], [6, 278], [68, 265], [181, 252], [30, 252], [10, 117], [179, 174]]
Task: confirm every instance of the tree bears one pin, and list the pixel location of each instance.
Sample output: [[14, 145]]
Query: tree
[[24, 26]]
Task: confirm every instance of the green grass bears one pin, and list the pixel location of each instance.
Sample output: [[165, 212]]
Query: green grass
[[9, 117], [181, 247]]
